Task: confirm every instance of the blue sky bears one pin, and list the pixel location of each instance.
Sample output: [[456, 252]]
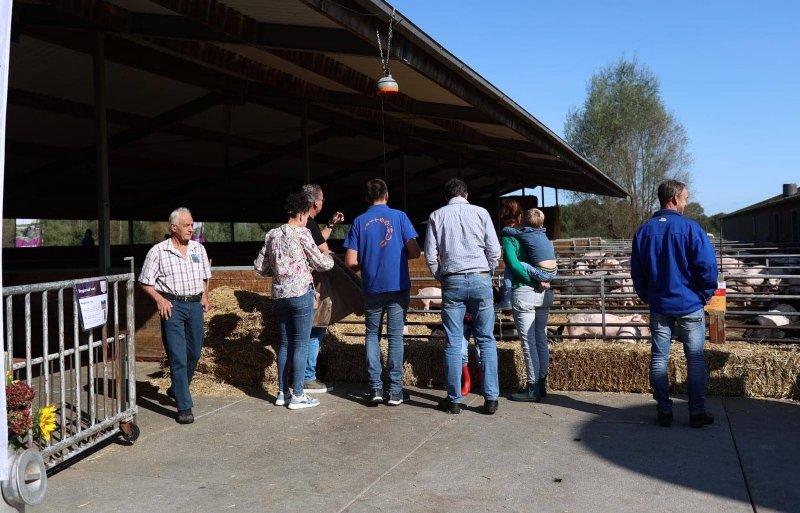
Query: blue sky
[[729, 73]]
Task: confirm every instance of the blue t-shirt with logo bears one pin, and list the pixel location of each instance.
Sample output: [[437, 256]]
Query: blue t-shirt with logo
[[380, 235]]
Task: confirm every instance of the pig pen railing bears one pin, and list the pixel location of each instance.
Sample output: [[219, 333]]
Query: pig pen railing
[[89, 375], [585, 286]]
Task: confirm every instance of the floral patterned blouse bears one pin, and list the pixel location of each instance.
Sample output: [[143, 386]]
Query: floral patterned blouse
[[289, 255]]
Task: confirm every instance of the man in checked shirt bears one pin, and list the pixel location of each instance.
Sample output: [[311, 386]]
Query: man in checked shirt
[[462, 252], [175, 275]]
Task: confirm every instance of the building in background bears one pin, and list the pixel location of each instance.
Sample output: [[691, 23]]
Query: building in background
[[772, 220]]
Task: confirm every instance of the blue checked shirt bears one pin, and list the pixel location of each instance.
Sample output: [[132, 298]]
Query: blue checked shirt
[[461, 238]]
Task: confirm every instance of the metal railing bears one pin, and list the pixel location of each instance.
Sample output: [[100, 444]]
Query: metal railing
[[88, 375]]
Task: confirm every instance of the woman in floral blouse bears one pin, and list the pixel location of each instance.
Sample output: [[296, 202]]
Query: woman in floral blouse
[[289, 255]]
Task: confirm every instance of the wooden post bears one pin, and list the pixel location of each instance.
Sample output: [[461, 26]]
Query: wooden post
[[716, 312], [101, 133], [716, 327]]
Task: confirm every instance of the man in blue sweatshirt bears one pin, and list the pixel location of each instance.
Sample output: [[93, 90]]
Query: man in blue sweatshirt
[[674, 271]]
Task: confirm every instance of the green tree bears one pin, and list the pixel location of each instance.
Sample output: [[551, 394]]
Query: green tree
[[695, 211], [625, 130], [580, 219]]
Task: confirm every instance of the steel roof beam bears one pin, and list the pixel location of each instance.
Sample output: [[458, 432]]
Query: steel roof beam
[[48, 103], [129, 135]]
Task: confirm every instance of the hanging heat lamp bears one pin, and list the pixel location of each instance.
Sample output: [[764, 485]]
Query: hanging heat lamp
[[387, 85]]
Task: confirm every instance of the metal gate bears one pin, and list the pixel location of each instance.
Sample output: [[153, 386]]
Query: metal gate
[[89, 375]]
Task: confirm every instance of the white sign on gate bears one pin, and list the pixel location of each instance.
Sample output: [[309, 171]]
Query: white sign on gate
[[93, 302]]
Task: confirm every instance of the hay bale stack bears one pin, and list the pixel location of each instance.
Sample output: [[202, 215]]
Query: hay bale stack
[[600, 366], [749, 370], [242, 338]]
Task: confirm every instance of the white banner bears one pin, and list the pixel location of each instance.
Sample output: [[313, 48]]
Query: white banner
[[5, 47]]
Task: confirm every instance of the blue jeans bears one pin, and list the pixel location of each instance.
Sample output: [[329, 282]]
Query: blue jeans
[[317, 336], [465, 348], [461, 294], [534, 273], [182, 334], [396, 306], [531, 323], [690, 329], [295, 315]]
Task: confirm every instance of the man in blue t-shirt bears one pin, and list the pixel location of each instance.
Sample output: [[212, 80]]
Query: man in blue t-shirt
[[380, 243]]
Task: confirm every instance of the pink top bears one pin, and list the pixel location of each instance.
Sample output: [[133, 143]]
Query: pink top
[[289, 255]]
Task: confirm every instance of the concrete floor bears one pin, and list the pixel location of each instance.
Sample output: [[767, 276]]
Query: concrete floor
[[576, 452]]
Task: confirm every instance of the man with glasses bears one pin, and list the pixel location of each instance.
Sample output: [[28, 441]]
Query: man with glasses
[[316, 199]]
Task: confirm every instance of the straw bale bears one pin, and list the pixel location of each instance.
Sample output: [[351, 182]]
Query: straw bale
[[599, 366], [202, 385], [749, 370], [241, 339], [242, 336]]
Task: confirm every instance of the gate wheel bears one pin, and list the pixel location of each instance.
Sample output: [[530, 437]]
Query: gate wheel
[[129, 430]]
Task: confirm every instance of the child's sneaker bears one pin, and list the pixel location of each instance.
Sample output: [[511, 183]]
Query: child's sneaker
[[302, 402]]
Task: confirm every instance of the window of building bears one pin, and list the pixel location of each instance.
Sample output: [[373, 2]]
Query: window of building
[[795, 227]]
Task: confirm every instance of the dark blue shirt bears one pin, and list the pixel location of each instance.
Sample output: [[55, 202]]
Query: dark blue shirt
[[673, 266], [537, 245], [379, 236]]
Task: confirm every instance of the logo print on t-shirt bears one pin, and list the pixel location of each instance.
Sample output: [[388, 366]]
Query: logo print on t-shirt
[[389, 229]]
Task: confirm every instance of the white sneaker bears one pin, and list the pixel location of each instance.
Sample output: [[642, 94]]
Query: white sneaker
[[304, 401], [281, 400]]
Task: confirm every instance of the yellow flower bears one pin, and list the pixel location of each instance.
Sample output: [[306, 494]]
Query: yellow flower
[[46, 421]]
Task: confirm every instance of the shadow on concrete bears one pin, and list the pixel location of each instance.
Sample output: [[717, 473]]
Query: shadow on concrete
[[149, 397], [749, 455]]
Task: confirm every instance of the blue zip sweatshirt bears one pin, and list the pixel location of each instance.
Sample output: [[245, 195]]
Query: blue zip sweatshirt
[[673, 266]]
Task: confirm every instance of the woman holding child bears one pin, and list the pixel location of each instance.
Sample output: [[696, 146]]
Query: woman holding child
[[530, 265]]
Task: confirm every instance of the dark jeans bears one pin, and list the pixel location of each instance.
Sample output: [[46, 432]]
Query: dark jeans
[[182, 334], [396, 305], [295, 315]]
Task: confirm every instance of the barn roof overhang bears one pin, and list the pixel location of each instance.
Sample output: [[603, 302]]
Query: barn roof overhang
[[227, 106]]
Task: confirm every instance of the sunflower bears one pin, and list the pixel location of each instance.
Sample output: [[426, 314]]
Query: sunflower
[[46, 421]]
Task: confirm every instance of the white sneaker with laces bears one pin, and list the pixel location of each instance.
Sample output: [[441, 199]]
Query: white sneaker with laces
[[281, 400], [303, 401]]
